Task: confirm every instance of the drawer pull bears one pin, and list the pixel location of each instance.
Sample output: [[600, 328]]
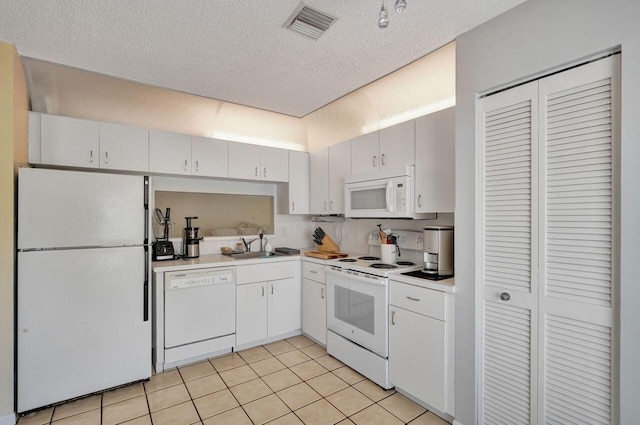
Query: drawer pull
[[313, 271], [413, 299]]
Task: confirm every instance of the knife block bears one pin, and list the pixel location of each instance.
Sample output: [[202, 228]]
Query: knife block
[[328, 245]]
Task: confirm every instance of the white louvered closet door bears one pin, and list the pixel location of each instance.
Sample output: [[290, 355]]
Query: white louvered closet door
[[549, 213], [579, 218], [508, 171]]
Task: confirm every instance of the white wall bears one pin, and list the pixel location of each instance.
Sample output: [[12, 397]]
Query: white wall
[[536, 36]]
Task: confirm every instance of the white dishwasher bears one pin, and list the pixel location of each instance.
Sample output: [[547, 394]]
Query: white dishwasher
[[199, 306]]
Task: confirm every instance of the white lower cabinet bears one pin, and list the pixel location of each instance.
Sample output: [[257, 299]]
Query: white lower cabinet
[[267, 301], [421, 344], [314, 301]]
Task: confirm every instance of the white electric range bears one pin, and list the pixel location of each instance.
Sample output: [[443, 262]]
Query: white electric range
[[357, 305]]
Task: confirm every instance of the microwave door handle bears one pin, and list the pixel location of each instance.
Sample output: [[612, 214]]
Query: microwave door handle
[[390, 196]]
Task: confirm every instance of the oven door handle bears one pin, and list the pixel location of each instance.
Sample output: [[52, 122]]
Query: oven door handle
[[358, 277]]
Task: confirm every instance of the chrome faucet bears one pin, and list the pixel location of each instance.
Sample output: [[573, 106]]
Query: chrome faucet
[[247, 245]]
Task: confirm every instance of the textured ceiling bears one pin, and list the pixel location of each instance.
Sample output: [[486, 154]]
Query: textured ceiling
[[238, 50]]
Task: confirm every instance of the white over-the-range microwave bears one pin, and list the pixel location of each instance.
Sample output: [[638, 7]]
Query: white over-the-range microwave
[[382, 194]]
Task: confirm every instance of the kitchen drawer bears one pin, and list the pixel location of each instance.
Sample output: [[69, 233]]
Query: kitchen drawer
[[419, 300], [267, 271], [313, 271]]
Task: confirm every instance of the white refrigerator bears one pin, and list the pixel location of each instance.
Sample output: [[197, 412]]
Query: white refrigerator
[[83, 284]]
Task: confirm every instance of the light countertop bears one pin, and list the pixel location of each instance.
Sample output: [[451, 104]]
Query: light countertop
[[215, 260]]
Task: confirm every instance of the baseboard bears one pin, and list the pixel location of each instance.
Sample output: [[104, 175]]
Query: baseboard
[[8, 420]]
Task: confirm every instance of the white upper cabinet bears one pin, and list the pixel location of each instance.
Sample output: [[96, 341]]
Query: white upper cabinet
[[209, 157], [328, 168], [169, 152], [274, 164], [365, 153], [339, 168], [294, 197], [253, 162], [391, 147], [244, 161], [319, 181], [435, 162], [397, 145], [124, 147], [69, 141]]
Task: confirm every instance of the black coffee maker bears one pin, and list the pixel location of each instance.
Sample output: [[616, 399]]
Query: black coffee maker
[[190, 240]]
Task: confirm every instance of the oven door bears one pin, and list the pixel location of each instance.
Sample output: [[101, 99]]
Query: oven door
[[357, 309]]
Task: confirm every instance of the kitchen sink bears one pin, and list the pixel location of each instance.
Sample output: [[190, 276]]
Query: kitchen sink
[[255, 254]]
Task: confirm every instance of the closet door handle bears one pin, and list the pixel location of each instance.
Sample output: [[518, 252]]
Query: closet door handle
[[505, 296]]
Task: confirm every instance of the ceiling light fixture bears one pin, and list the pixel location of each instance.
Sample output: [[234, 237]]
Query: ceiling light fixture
[[383, 16]]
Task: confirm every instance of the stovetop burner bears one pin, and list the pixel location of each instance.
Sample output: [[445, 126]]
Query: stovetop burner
[[383, 266], [405, 263], [422, 275], [348, 260], [369, 258]]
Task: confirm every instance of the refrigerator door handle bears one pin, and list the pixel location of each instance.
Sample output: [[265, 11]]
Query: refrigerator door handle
[[146, 210], [145, 298]]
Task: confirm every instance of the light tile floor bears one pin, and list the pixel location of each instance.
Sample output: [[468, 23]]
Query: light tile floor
[[292, 381]]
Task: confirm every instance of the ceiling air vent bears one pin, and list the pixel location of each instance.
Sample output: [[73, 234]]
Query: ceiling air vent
[[309, 22]]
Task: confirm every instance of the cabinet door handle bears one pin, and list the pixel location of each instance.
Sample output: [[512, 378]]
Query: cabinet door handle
[[325, 205], [420, 200], [186, 165], [505, 296], [374, 161], [382, 160], [106, 158], [271, 289], [322, 293], [91, 156], [293, 206], [264, 172], [393, 317], [413, 299], [256, 171], [330, 205], [197, 165], [263, 290]]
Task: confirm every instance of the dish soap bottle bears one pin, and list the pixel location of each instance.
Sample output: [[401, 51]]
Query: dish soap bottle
[[267, 246]]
